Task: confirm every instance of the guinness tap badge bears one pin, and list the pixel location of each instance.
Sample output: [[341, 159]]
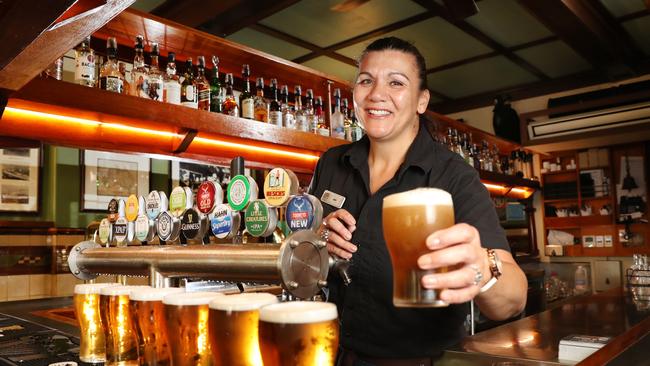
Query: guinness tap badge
[[193, 224], [279, 185], [224, 221], [260, 219]]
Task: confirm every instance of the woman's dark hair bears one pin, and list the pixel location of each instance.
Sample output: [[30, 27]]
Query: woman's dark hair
[[398, 44]]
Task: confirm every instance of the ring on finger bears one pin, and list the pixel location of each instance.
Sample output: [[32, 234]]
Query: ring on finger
[[478, 275], [325, 234]]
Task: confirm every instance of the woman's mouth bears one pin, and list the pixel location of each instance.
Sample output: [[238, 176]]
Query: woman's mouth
[[378, 112]]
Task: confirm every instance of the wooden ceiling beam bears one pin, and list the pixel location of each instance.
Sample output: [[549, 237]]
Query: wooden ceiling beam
[[193, 13], [586, 29], [635, 15], [299, 42], [244, 14]]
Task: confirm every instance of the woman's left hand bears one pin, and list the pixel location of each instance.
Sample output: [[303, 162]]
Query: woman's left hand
[[459, 249]]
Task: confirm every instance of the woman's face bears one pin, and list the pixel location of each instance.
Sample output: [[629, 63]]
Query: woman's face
[[387, 96]]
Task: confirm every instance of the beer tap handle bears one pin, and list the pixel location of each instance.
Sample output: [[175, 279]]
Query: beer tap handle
[[341, 266]]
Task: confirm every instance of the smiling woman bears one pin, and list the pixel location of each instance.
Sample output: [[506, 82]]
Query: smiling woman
[[396, 155]]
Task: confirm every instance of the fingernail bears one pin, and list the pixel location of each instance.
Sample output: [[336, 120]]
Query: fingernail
[[354, 249], [430, 280], [423, 261], [352, 228], [433, 244], [348, 236]]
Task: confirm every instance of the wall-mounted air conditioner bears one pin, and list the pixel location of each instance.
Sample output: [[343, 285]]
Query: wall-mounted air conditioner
[[628, 115]]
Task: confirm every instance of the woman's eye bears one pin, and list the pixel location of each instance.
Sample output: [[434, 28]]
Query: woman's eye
[[364, 81], [396, 83]]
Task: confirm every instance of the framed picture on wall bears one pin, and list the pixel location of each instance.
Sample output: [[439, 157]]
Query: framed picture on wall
[[107, 175], [19, 179], [191, 174]]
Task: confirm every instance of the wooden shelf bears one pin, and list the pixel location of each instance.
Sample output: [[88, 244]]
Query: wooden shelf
[[578, 221], [558, 200], [559, 172]]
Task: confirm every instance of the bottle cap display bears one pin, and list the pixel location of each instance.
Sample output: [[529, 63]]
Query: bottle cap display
[[208, 195], [193, 224], [224, 222], [113, 208], [260, 219], [132, 208], [154, 204], [104, 231], [178, 201], [279, 185], [168, 227], [241, 190], [304, 212]]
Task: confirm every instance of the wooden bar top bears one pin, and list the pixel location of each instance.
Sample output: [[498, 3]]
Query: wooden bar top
[[534, 340]]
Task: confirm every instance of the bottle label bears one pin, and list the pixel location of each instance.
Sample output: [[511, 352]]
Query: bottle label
[[172, 92], [289, 121], [313, 124], [248, 108], [155, 89], [140, 84], [189, 95], [204, 95], [356, 133], [323, 131], [85, 68], [301, 123], [216, 99], [112, 83], [275, 118]]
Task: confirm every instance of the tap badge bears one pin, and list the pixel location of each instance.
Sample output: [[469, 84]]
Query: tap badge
[[164, 226], [257, 218], [177, 201], [278, 187], [239, 192], [300, 213], [153, 204], [205, 198], [222, 222]]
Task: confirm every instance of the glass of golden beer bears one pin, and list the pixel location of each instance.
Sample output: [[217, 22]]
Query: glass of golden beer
[[299, 333], [408, 219], [233, 328], [186, 319], [119, 331], [148, 314], [92, 348]]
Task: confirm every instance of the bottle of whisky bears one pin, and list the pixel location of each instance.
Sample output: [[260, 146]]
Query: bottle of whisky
[[275, 108], [347, 122], [246, 98], [288, 115], [230, 106], [172, 86], [216, 96], [126, 87], [308, 110], [337, 121], [155, 78], [110, 77], [188, 89], [356, 133], [319, 115], [139, 72], [302, 124], [261, 106], [202, 85], [84, 72]]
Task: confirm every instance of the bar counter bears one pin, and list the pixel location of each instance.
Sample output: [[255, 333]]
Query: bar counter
[[532, 340]]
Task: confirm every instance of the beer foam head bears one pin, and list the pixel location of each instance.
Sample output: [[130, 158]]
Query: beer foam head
[[242, 302], [298, 312], [190, 298], [91, 288], [153, 294], [419, 196], [119, 290]]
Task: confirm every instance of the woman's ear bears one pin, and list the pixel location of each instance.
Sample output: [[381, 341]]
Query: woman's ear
[[423, 101]]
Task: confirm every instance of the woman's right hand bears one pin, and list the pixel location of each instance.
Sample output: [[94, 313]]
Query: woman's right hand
[[340, 224]]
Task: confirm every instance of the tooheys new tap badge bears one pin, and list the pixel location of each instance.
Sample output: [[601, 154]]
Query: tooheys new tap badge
[[300, 213]]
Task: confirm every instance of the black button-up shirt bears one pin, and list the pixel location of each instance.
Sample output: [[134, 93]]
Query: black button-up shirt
[[370, 324]]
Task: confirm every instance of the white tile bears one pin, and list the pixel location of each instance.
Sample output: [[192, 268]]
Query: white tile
[[18, 287], [39, 285], [3, 288]]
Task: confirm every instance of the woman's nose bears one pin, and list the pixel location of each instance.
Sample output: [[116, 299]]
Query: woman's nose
[[377, 92]]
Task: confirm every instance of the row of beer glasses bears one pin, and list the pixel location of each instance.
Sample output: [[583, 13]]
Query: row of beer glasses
[[140, 325]]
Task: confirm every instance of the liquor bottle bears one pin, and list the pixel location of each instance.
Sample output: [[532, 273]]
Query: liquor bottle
[[322, 127], [139, 82], [126, 87], [476, 157], [302, 124], [188, 89], [308, 110], [246, 98], [337, 120], [356, 132], [202, 85], [347, 122], [216, 96], [275, 109], [172, 86], [288, 115], [230, 106], [84, 72], [261, 107], [155, 79], [110, 77]]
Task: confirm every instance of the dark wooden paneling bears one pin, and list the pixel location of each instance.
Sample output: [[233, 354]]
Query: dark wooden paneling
[[193, 13], [244, 14]]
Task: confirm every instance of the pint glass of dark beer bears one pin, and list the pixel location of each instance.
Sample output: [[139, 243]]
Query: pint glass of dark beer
[[92, 348], [299, 333], [147, 312], [233, 328], [186, 319], [408, 219], [119, 330]]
